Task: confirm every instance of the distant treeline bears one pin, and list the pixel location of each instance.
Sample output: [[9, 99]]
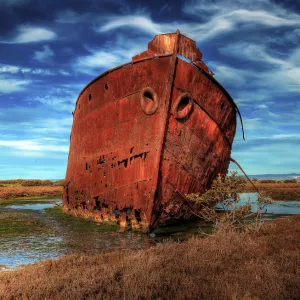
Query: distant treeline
[[293, 180], [31, 182]]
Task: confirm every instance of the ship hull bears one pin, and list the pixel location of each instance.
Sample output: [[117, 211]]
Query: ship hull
[[144, 135]]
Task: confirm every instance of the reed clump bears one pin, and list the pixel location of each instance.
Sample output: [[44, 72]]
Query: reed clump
[[262, 265]]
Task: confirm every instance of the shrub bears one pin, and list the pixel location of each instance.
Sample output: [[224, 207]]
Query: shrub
[[267, 181], [59, 182], [294, 180], [225, 191], [36, 182]]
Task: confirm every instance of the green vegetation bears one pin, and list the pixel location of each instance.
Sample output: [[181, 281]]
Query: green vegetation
[[225, 190], [80, 224], [32, 182], [27, 200], [186, 227], [18, 223]]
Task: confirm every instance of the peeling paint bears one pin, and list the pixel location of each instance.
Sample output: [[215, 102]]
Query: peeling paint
[[146, 134]]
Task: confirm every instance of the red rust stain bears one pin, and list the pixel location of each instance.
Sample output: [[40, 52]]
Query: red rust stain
[[145, 134]]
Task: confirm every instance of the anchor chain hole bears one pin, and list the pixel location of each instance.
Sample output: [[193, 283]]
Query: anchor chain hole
[[149, 102], [183, 106], [183, 103]]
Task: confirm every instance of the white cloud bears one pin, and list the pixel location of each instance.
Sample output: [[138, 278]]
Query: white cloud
[[261, 17], [272, 12], [229, 75], [252, 52], [142, 23], [33, 145], [11, 69], [29, 153], [45, 55], [111, 55], [61, 98], [275, 74], [57, 102], [96, 60], [262, 106], [145, 24], [30, 34], [214, 19], [286, 136], [51, 126], [12, 85], [45, 128]]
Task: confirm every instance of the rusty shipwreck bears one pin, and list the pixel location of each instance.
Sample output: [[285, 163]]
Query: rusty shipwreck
[[145, 134]]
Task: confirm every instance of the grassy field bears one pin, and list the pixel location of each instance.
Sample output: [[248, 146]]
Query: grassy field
[[20, 188], [16, 223], [277, 190], [264, 265]]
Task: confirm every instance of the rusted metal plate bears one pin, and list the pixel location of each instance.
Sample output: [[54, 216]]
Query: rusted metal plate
[[145, 134], [164, 43]]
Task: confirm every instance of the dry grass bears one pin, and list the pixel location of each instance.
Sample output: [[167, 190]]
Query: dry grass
[[22, 188], [277, 190], [233, 266], [30, 182], [9, 192]]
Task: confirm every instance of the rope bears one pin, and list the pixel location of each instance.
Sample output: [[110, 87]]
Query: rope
[[237, 109], [234, 161]]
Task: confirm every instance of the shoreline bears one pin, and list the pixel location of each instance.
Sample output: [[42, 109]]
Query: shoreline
[[261, 265]]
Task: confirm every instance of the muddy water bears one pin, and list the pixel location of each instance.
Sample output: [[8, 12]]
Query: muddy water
[[39, 231]]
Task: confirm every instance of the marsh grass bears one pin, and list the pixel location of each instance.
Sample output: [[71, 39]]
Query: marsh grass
[[277, 190], [20, 223], [29, 192], [30, 182], [263, 265], [28, 200], [79, 224]]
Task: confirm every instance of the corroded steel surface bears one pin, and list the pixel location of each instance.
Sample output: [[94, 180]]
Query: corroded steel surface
[[145, 134]]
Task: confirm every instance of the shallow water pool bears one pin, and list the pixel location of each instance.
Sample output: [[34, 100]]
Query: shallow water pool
[[33, 206], [43, 234]]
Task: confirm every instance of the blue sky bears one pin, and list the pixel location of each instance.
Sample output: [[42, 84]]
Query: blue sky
[[49, 50]]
